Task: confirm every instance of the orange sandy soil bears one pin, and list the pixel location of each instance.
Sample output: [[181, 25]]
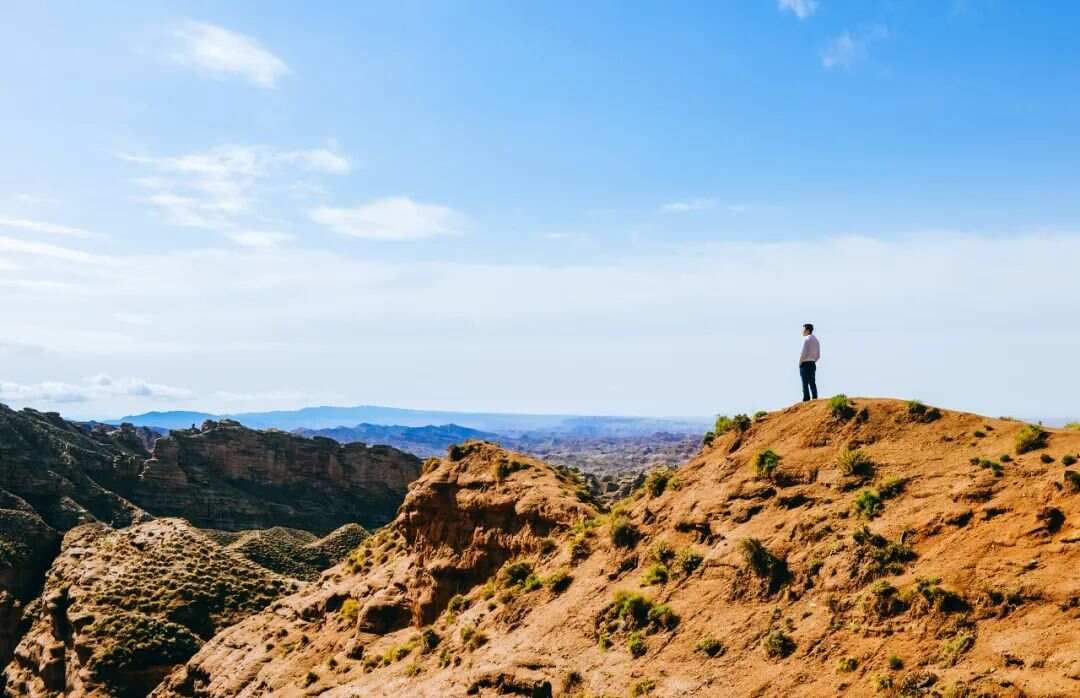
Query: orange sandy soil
[[967, 577]]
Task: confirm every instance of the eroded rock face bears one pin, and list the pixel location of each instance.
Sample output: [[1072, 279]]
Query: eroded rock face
[[724, 579], [226, 476], [121, 608]]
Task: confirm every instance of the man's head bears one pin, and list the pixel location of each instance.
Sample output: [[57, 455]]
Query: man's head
[[808, 329]]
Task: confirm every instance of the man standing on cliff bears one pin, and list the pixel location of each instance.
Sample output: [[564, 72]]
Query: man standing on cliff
[[811, 352]]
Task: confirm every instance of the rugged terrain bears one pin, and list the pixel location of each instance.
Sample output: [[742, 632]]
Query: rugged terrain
[[92, 479], [874, 548]]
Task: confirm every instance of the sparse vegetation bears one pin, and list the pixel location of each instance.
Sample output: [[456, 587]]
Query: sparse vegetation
[[856, 463], [710, 647], [760, 415], [778, 644], [624, 533], [766, 463], [635, 642], [1068, 459], [657, 480], [764, 564], [885, 556], [1072, 480], [891, 487], [642, 688], [955, 646], [663, 552], [1073, 426], [1030, 438], [895, 663], [847, 664], [504, 468], [688, 560], [841, 408], [919, 412], [559, 582], [349, 610], [656, 573], [868, 504], [928, 594]]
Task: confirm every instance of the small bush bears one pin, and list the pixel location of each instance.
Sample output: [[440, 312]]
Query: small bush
[[1046, 458], [624, 533], [847, 664], [841, 408], [892, 487], [635, 642], [657, 480], [515, 573], [921, 413], [778, 645], [531, 583], [855, 462], [656, 573], [1072, 480], [708, 439], [710, 647], [642, 688], [1005, 458], [457, 603], [1030, 438], [764, 564], [760, 415], [505, 468], [881, 682], [1068, 459], [663, 552], [868, 504], [350, 609], [688, 560], [895, 663], [766, 462], [559, 582], [979, 434], [935, 597], [955, 646], [429, 640], [661, 616]]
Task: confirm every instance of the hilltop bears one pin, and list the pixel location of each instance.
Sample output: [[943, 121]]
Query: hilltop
[[863, 548]]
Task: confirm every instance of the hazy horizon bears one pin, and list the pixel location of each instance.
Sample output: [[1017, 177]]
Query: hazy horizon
[[592, 209]]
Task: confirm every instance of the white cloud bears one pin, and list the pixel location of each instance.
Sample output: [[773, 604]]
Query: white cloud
[[800, 8], [41, 249], [393, 218], [34, 226], [215, 188], [847, 49], [218, 51], [688, 206], [259, 238], [93, 388]]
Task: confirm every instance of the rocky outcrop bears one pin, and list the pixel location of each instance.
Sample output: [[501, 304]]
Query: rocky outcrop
[[227, 476], [867, 550], [121, 608]]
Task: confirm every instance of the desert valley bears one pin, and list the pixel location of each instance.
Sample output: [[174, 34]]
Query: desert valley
[[856, 547]]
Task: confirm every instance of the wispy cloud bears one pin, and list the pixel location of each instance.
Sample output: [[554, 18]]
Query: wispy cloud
[[214, 188], [218, 51], [260, 239], [800, 8], [847, 49], [99, 387], [392, 218], [34, 226], [702, 204], [42, 249]]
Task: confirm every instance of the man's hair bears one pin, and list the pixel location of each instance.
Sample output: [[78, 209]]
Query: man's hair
[[809, 326]]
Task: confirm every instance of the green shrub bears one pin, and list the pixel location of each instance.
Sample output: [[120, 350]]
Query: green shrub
[[708, 439], [1072, 480], [663, 552], [1005, 458], [1030, 438], [955, 646], [766, 462], [892, 487], [661, 616], [559, 582], [723, 425], [1073, 426], [895, 663], [979, 434], [656, 573], [868, 504], [531, 583], [760, 415], [921, 413], [935, 596], [841, 408], [515, 573], [624, 533], [1068, 459], [777, 644], [505, 468], [632, 608], [657, 480], [847, 664], [688, 560], [429, 640], [635, 642], [710, 647], [642, 688], [855, 462], [764, 564], [1046, 458], [350, 609], [881, 682]]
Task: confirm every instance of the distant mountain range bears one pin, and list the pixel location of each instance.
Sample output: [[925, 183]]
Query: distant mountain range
[[421, 441], [494, 422]]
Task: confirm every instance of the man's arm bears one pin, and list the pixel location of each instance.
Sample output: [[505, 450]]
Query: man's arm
[[805, 350]]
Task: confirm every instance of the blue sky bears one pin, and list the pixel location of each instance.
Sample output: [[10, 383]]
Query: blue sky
[[568, 207]]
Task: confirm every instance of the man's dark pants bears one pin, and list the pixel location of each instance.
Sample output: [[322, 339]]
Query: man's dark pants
[[808, 371]]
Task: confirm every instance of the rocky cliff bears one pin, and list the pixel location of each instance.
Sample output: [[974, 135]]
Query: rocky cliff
[[230, 477], [867, 549]]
